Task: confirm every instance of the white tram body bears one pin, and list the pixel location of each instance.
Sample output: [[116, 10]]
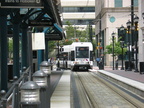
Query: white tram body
[[65, 56], [81, 56]]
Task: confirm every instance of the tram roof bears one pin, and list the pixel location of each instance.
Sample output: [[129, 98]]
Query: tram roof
[[82, 44]]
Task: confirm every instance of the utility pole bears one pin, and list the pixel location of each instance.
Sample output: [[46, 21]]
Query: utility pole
[[90, 32]]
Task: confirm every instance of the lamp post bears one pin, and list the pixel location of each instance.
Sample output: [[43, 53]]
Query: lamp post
[[122, 34], [30, 95], [113, 35], [41, 79], [122, 43], [58, 64], [122, 46], [45, 66], [132, 29], [136, 40], [128, 26]]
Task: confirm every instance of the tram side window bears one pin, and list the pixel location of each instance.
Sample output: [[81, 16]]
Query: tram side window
[[72, 55]]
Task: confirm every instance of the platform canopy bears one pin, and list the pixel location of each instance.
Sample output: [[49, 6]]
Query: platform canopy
[[40, 15]]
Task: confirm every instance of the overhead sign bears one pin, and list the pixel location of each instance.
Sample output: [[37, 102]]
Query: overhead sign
[[21, 3], [40, 23]]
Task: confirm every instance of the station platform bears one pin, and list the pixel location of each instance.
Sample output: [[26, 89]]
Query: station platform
[[61, 96], [130, 80]]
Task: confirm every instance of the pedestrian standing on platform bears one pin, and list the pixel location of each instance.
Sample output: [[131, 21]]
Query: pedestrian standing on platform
[[49, 60], [101, 64]]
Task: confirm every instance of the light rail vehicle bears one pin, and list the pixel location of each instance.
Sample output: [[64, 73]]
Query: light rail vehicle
[[81, 56]]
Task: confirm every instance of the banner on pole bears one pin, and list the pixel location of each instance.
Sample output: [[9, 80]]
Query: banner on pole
[[38, 41]]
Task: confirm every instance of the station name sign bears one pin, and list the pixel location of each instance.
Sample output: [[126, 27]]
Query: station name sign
[[21, 3], [40, 23]]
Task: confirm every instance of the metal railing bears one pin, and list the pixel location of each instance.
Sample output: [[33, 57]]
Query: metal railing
[[12, 98]]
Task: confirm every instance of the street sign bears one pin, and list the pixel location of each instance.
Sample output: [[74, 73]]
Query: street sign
[[40, 23], [21, 4]]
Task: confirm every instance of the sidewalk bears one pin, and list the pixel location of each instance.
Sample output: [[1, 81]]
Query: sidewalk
[[128, 74]]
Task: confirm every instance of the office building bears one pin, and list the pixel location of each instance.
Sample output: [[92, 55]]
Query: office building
[[109, 16], [78, 12]]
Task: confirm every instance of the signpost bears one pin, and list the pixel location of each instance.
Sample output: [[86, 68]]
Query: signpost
[[21, 4]]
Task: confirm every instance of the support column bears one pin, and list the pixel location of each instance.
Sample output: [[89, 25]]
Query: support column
[[16, 50], [24, 46], [46, 49], [40, 57], [3, 52], [29, 52]]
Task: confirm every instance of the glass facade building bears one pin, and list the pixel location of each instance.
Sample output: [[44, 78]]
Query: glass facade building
[[78, 12], [78, 9]]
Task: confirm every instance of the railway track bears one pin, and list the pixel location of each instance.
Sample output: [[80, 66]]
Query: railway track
[[91, 91]]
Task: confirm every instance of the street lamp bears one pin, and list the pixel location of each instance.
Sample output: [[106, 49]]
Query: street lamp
[[128, 26], [113, 35], [58, 57], [122, 46], [122, 30], [136, 19], [122, 43]]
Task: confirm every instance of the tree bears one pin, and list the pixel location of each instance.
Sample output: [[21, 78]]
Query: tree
[[73, 33], [117, 48], [10, 47]]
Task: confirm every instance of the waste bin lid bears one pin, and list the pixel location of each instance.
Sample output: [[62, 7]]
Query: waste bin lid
[[30, 85]]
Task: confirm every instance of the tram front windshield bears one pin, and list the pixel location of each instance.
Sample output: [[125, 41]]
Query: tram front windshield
[[82, 52]]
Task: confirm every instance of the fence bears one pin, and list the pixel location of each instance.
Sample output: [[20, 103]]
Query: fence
[[12, 98]]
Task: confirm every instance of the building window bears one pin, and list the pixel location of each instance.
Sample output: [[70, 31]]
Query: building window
[[78, 9], [135, 3], [77, 22], [118, 3]]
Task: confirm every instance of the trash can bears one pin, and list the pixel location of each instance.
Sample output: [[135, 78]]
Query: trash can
[[141, 67], [126, 65], [101, 65], [132, 65]]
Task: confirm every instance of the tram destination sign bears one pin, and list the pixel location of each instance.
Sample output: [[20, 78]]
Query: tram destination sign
[[21, 3]]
